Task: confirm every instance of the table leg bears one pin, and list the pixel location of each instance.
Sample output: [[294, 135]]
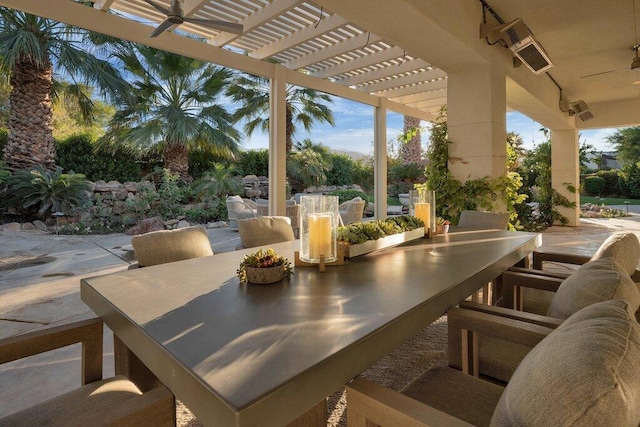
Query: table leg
[[128, 364], [316, 416]]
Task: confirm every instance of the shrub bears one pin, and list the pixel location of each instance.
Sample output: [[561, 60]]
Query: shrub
[[633, 181], [216, 210], [76, 153], [254, 162], [610, 177], [342, 171], [594, 185], [46, 191], [363, 174], [218, 182], [344, 195]]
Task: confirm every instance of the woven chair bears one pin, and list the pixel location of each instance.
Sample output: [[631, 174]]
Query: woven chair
[[160, 247], [292, 212], [352, 210], [583, 373], [98, 402], [239, 208]]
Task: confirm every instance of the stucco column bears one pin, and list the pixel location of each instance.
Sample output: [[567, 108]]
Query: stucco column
[[565, 171], [476, 120], [380, 160], [278, 142]]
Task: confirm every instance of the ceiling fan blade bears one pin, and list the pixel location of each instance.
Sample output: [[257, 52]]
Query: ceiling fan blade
[[161, 28], [159, 7], [604, 72], [217, 25]]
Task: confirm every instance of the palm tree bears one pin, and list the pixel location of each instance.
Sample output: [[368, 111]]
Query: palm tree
[[308, 165], [174, 109], [304, 106], [30, 47], [411, 147]]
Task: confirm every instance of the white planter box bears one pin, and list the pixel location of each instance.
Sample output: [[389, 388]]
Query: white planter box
[[351, 251]]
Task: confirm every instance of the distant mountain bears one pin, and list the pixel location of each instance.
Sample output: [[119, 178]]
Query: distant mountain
[[355, 155]]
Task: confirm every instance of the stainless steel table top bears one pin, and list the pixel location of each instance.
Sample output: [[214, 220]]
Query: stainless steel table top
[[243, 354]]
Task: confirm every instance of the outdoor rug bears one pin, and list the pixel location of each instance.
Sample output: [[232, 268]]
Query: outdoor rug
[[428, 348]]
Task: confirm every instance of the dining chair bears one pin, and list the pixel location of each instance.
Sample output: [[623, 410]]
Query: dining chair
[[265, 230], [292, 212], [160, 247], [482, 220], [582, 373], [114, 401], [593, 282], [239, 208], [622, 246]]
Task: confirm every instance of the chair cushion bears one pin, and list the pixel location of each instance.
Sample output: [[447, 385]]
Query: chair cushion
[[265, 230], [164, 246], [600, 280], [583, 373], [104, 402], [441, 388], [623, 247]]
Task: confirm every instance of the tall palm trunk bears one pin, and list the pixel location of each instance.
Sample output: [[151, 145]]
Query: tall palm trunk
[[289, 129], [30, 140], [176, 159], [411, 151]]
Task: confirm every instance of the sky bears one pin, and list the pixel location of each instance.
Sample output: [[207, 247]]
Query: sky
[[353, 130]]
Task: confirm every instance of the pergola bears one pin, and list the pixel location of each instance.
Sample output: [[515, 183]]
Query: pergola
[[409, 57]]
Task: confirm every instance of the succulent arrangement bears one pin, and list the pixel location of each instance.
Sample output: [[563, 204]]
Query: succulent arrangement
[[360, 232], [442, 221], [263, 259]]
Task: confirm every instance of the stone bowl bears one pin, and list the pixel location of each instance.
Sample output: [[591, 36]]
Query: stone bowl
[[264, 276]]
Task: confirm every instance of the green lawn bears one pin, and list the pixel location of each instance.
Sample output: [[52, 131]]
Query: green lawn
[[608, 200]]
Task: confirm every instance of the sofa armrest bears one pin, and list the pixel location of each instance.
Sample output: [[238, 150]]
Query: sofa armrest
[[372, 403], [88, 332]]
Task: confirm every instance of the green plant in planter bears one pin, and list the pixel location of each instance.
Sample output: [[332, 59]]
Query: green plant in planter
[[263, 259], [442, 221], [359, 232]]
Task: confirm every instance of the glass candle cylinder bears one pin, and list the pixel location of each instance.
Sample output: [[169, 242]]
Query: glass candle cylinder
[[425, 209], [319, 228], [414, 197]]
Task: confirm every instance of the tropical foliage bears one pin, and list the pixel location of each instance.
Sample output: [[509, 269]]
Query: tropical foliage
[[304, 107], [46, 191], [218, 182], [30, 47], [176, 108], [627, 143]]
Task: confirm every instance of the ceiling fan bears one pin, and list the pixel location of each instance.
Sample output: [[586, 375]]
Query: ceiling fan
[[635, 64], [175, 17]]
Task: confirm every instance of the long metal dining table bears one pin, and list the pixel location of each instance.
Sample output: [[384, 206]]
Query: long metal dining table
[[240, 354]]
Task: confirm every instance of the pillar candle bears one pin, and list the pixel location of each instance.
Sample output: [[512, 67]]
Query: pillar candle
[[320, 236], [423, 211]]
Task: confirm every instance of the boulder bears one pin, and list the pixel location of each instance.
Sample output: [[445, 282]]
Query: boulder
[[147, 225]]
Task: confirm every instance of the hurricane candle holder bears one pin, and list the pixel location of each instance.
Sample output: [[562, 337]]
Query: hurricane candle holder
[[319, 229], [424, 207]]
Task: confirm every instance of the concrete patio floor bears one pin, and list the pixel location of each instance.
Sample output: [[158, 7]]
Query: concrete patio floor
[[39, 287]]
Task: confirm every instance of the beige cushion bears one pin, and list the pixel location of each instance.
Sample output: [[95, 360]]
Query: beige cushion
[[600, 280], [463, 396], [584, 373], [104, 402], [164, 246], [265, 230], [623, 247]]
